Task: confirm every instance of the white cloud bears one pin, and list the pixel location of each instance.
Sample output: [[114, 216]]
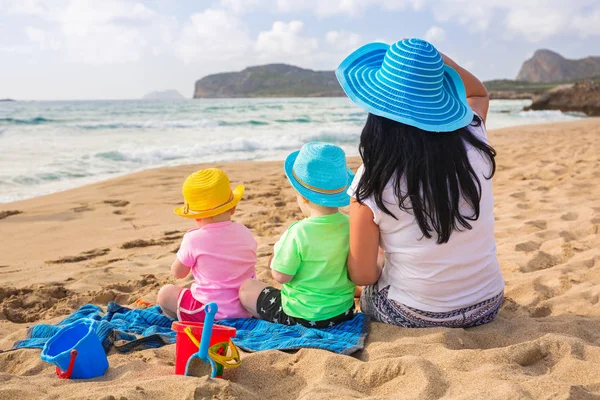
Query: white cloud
[[534, 20], [22, 7], [212, 35], [435, 35], [588, 24], [241, 6], [285, 42], [41, 38], [107, 32], [35, 35], [353, 8], [342, 40], [333, 7], [89, 31]]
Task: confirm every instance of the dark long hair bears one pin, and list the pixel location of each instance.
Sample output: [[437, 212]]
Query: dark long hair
[[430, 173]]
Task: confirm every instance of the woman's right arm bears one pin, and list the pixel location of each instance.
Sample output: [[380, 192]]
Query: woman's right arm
[[363, 267], [477, 95]]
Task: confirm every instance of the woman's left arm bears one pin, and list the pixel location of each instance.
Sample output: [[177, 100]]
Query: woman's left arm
[[363, 267]]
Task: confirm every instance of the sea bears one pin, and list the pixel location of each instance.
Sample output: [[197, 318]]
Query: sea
[[47, 147]]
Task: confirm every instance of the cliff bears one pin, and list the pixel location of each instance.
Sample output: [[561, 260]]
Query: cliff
[[273, 80], [580, 97], [548, 66]]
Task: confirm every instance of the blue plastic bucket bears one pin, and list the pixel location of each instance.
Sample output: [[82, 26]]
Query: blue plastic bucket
[[76, 351]]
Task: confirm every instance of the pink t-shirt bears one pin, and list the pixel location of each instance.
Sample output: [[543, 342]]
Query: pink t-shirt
[[222, 256]]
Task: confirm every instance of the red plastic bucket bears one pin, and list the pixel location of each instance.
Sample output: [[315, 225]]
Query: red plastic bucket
[[184, 347]]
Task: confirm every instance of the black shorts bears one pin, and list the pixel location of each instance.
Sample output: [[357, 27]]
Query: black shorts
[[268, 307]]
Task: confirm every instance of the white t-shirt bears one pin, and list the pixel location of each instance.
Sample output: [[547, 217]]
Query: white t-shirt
[[439, 277]]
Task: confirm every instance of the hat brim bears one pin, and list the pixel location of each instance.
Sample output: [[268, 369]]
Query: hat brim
[[238, 193], [341, 199], [357, 77]]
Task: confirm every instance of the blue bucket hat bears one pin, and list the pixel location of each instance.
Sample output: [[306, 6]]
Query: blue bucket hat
[[318, 171], [407, 82]]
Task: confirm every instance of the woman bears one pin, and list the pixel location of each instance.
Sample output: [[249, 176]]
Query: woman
[[421, 217]]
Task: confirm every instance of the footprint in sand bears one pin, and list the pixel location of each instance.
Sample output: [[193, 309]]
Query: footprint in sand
[[571, 216], [527, 246], [116, 203], [518, 195], [540, 312], [540, 224], [523, 206], [541, 261], [82, 208], [9, 213], [169, 238], [140, 243], [29, 303], [529, 354], [567, 236], [86, 255]]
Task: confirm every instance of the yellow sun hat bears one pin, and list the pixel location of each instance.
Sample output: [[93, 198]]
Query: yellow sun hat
[[208, 193]]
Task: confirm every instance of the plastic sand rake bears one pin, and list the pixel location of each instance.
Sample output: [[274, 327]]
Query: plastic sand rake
[[214, 358]]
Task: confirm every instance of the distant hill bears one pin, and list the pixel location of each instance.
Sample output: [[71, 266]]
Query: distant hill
[[6, 100], [272, 80], [164, 95], [283, 80], [548, 66]]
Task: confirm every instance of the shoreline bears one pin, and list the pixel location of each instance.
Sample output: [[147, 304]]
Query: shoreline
[[115, 241], [7, 205]]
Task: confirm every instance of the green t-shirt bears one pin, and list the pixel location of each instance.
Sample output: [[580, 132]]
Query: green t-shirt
[[314, 251]]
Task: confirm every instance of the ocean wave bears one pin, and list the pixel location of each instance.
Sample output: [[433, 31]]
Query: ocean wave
[[333, 137], [301, 120], [157, 155], [552, 115], [251, 122], [45, 177], [27, 121], [202, 123]]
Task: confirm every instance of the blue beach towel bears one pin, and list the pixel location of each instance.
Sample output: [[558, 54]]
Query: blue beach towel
[[121, 327], [135, 329], [258, 335]]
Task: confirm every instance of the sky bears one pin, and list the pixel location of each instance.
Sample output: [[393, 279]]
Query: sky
[[123, 49]]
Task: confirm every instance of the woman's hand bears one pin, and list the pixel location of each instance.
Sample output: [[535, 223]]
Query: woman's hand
[[364, 246], [477, 95]]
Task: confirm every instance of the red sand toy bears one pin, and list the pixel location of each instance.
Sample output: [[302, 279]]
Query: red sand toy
[[191, 336]]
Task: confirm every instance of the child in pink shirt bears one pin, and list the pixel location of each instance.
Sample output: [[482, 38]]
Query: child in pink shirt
[[220, 253]]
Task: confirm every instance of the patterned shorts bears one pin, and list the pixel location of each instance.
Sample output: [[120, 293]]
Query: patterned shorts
[[268, 307], [376, 304]]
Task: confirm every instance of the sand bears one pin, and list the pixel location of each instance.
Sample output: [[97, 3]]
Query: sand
[[116, 240]]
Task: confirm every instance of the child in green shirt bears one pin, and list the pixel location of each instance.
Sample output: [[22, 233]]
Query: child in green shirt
[[310, 258]]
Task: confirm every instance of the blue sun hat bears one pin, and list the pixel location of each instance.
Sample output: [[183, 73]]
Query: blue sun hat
[[407, 82], [318, 171]]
